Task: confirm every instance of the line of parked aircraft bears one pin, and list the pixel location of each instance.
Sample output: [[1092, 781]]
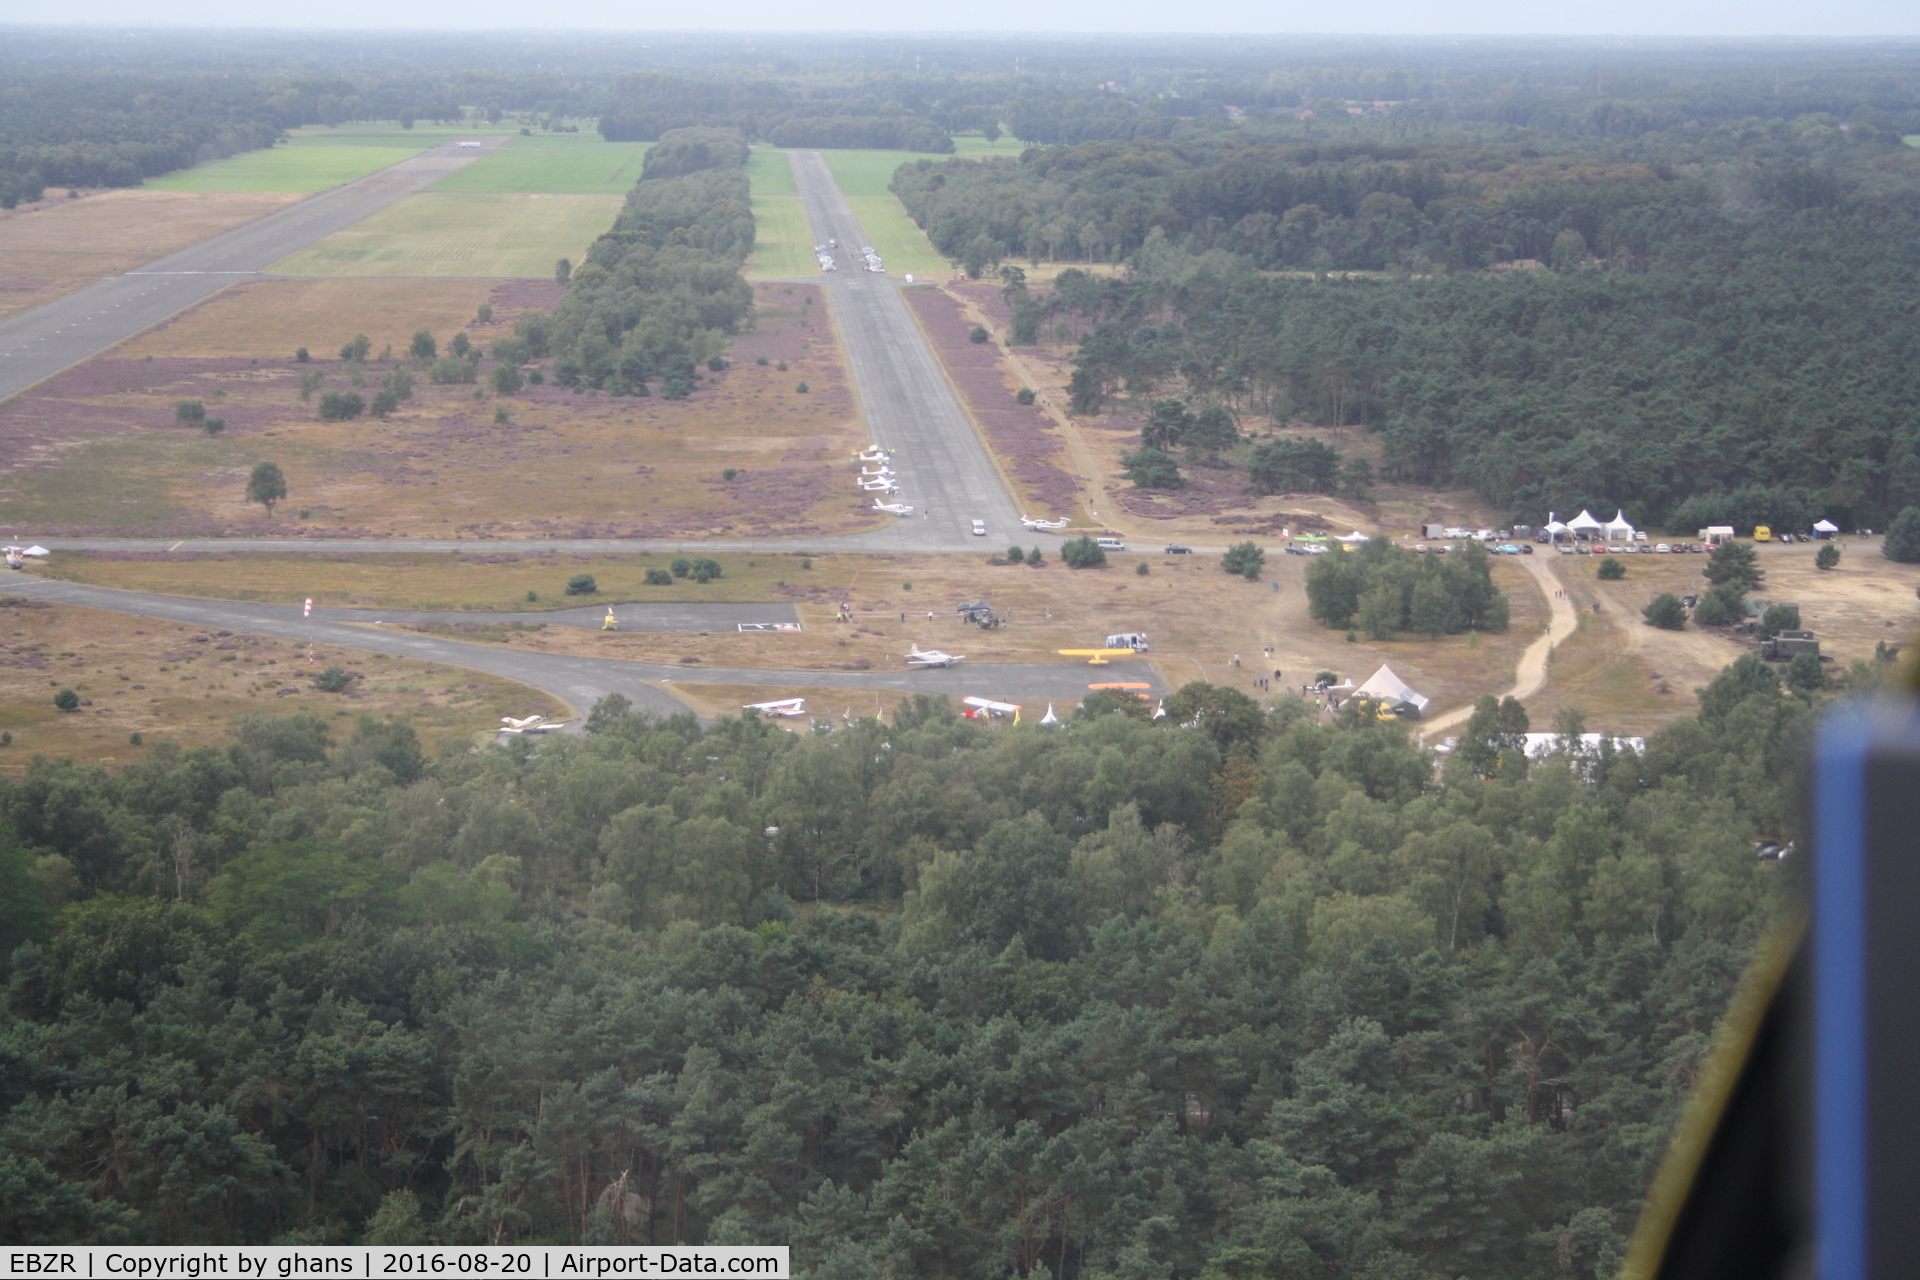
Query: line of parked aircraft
[[877, 477]]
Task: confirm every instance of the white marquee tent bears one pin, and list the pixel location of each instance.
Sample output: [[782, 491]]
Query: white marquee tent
[[1619, 529], [1385, 687], [1826, 528], [1584, 525]]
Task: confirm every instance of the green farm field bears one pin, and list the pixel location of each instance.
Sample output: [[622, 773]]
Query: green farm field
[[770, 173], [461, 234], [611, 168], [308, 168], [782, 240]]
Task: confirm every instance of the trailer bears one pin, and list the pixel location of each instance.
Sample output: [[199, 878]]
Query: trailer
[[1789, 645]]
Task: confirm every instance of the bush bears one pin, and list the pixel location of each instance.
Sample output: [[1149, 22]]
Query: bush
[[729, 473], [704, 570], [1736, 564], [781, 367], [189, 411], [1666, 612], [452, 369], [681, 567], [1903, 537], [214, 426], [357, 349], [338, 406], [136, 738], [800, 387], [500, 415], [761, 360], [302, 356], [1778, 618], [485, 314], [67, 700], [1721, 607], [461, 346], [1035, 559], [423, 348], [507, 379], [1140, 570], [1016, 555], [1245, 559], [582, 584], [1083, 553], [1828, 556], [334, 680], [1152, 469], [716, 363], [1611, 569], [978, 334], [1024, 396], [384, 402], [659, 578]]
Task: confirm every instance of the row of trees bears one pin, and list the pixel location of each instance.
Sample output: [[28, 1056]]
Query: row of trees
[[1229, 990], [1382, 588]]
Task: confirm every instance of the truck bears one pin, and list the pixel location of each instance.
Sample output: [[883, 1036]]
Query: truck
[[1789, 645]]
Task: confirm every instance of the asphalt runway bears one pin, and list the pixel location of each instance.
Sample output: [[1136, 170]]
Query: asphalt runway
[[56, 335], [631, 617], [580, 681], [910, 406]]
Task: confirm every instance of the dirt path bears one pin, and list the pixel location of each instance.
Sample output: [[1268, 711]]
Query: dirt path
[[1530, 675]]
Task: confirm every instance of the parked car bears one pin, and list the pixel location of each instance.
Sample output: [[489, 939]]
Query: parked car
[[1662, 549], [1526, 548], [979, 528], [1175, 549], [1507, 549]]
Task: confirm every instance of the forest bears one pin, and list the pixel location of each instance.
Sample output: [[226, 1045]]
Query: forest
[[1229, 993], [1702, 326]]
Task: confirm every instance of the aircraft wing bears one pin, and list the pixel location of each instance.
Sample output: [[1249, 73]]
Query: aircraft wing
[[778, 707], [988, 704], [1098, 657]]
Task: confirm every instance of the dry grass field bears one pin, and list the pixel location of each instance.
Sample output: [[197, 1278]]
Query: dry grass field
[[308, 168], [58, 245], [172, 683], [96, 449], [461, 234], [1198, 617]]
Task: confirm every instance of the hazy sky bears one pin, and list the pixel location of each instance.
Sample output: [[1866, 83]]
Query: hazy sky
[[1841, 18]]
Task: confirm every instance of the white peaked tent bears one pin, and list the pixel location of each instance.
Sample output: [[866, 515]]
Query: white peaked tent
[[1826, 529], [1049, 718], [1555, 529], [1584, 524], [1385, 687], [1160, 712], [1619, 529]]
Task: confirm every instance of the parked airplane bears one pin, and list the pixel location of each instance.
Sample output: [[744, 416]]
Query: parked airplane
[[881, 486], [779, 707], [1032, 523], [530, 724], [986, 709], [1098, 657], [892, 508], [918, 657], [881, 470]]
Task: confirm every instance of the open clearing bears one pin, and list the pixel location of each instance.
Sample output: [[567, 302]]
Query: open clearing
[[608, 169], [179, 684], [304, 169], [1199, 618], [57, 246], [388, 133], [770, 173], [271, 319], [95, 450], [461, 234]]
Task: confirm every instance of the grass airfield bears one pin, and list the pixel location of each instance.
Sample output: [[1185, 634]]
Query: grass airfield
[[469, 233]]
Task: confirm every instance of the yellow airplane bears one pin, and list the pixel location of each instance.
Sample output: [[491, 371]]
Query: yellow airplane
[[1098, 657]]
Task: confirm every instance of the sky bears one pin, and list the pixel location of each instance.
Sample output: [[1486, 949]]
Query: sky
[[1676, 18]]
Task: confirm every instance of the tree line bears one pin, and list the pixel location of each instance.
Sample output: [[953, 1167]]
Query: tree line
[[1222, 993]]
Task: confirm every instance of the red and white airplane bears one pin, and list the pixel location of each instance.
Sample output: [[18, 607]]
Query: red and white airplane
[[779, 707], [531, 724], [918, 657]]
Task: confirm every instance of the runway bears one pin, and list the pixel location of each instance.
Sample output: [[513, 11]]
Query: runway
[[56, 335]]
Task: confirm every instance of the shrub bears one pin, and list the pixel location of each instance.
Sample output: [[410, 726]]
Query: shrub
[[1016, 555], [507, 379], [334, 680], [1721, 607], [800, 387], [214, 426], [500, 415], [535, 378], [582, 584], [978, 334], [715, 364], [136, 738], [1666, 612], [189, 411], [729, 473], [1140, 569], [357, 349], [1245, 559], [423, 348], [659, 578], [1034, 558], [1828, 556], [1611, 569], [761, 360], [309, 380], [781, 367], [1736, 563], [1083, 553], [1778, 618], [302, 356], [681, 567], [451, 369], [384, 402], [67, 700], [532, 596], [704, 570], [338, 406], [461, 346], [1152, 469], [1024, 396], [485, 314]]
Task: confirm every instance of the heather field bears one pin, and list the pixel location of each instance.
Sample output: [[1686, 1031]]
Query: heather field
[[269, 320], [1030, 451], [97, 449], [461, 234], [306, 169]]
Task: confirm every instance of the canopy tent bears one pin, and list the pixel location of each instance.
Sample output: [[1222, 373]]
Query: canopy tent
[[1389, 690], [1619, 529], [1553, 528], [1050, 718], [1826, 529], [1584, 525]]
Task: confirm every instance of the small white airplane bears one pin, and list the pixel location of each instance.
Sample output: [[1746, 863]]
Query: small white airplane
[[530, 724], [877, 471], [892, 508], [1032, 523], [987, 708], [883, 486], [918, 657], [779, 707]]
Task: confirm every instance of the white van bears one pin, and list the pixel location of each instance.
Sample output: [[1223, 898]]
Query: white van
[[1110, 544], [979, 528]]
